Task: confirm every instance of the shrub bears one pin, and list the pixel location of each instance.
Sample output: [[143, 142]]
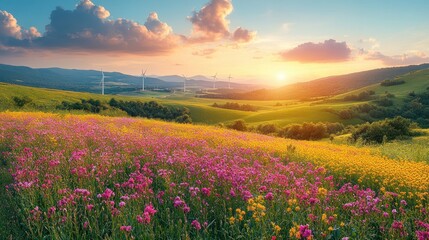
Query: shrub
[[185, 118], [388, 82], [236, 106], [305, 131], [268, 128], [239, 125], [384, 102], [362, 96], [381, 131], [346, 114], [21, 101]]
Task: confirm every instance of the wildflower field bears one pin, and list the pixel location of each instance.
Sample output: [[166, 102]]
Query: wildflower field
[[93, 177]]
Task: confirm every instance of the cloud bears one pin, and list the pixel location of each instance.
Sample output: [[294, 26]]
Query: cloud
[[210, 24], [10, 29], [205, 52], [9, 26], [242, 35], [88, 28], [398, 60], [372, 42], [324, 52]]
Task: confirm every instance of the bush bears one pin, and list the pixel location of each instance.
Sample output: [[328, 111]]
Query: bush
[[91, 105], [305, 131], [152, 109], [384, 102], [346, 114], [239, 125], [236, 106], [268, 128], [381, 131], [185, 118], [21, 101], [363, 96], [388, 82]]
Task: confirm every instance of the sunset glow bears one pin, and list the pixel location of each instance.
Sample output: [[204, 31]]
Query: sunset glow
[[248, 39]]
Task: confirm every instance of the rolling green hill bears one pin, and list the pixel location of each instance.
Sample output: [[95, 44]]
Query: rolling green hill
[[281, 112], [278, 112], [325, 87], [417, 81]]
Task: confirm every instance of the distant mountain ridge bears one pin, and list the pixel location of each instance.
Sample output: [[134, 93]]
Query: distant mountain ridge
[[89, 80], [326, 86]]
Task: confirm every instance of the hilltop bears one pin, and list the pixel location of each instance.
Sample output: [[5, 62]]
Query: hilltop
[[324, 87]]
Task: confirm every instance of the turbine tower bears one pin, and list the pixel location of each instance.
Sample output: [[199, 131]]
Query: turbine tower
[[102, 82], [184, 83], [143, 78], [229, 82], [214, 80]]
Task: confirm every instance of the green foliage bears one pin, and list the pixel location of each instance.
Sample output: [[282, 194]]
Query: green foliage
[[388, 82], [185, 118], [382, 131], [239, 125], [363, 96], [21, 101], [236, 106], [267, 128], [384, 102], [152, 109], [91, 105], [305, 131], [346, 114]]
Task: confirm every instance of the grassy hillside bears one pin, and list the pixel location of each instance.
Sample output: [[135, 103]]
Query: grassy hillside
[[281, 112], [417, 81], [328, 86], [278, 112]]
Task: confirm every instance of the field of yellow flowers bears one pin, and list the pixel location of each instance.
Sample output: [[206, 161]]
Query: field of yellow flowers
[[93, 177]]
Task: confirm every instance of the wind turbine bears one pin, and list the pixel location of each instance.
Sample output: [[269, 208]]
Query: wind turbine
[[143, 78], [184, 83], [102, 82], [229, 82], [214, 80]]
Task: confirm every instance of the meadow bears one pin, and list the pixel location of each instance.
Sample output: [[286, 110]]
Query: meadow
[[202, 112], [95, 177]]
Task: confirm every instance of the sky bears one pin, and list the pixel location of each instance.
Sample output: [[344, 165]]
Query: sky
[[272, 42]]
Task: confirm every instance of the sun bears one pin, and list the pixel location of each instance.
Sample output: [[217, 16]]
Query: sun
[[281, 77]]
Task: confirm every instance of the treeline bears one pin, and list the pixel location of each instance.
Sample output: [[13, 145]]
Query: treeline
[[91, 105], [236, 106], [304, 131], [150, 109], [397, 128], [388, 82]]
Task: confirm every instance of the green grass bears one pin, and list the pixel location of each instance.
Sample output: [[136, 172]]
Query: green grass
[[415, 149], [417, 81], [203, 113], [201, 110]]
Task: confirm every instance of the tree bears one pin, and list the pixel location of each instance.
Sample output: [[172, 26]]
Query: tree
[[21, 101], [239, 125]]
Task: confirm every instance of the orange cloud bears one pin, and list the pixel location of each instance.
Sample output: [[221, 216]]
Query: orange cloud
[[242, 35], [398, 60], [211, 24], [324, 52], [10, 29]]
